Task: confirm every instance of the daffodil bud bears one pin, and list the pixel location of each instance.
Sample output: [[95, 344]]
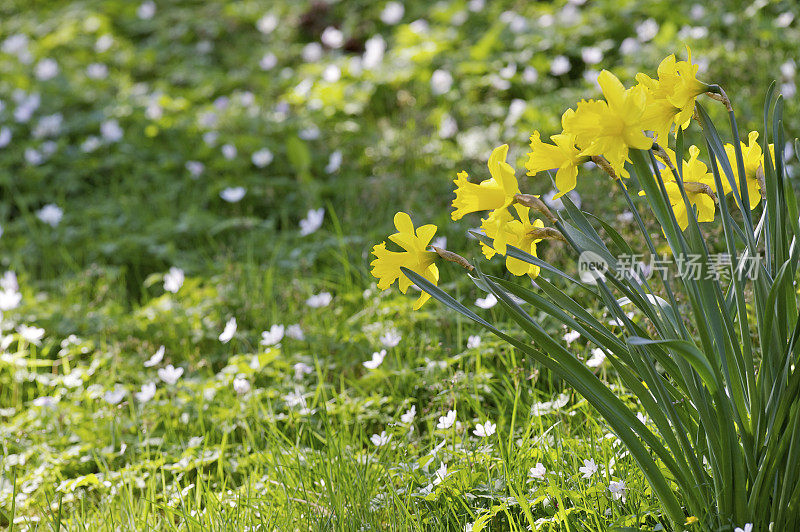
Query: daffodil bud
[[546, 233], [533, 202], [760, 178], [454, 257], [603, 163], [662, 154], [715, 92], [694, 187]]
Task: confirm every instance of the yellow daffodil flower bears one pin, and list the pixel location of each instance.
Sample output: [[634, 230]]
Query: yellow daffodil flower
[[563, 155], [416, 257], [659, 114], [699, 185], [518, 233], [670, 98], [753, 161], [609, 128], [494, 194], [685, 89]]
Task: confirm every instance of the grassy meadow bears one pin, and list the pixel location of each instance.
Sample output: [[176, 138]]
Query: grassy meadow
[[190, 338]]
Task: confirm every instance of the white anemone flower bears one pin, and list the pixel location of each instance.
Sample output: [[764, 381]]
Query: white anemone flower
[[323, 299], [597, 359], [379, 440], [441, 81], [301, 369], [571, 336], [268, 61], [241, 385], [147, 392], [111, 131], [31, 334], [334, 162], [486, 302], [262, 157], [295, 332], [173, 280], [617, 489], [170, 374], [391, 338], [233, 194], [146, 10], [588, 469], [115, 396], [50, 214], [312, 222], [267, 24], [273, 336], [46, 69], [376, 360], [332, 37], [229, 151], [485, 430], [446, 421], [156, 358], [392, 13], [230, 329], [538, 471]]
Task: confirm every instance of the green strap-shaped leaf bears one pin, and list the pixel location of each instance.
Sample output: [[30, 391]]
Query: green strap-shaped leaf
[[688, 351]]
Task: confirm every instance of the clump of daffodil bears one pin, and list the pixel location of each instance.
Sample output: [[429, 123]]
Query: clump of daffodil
[[416, 257], [562, 154], [698, 183], [753, 168], [521, 234], [494, 194], [610, 127], [670, 98]]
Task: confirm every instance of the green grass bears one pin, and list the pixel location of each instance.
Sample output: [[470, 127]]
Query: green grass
[[254, 459], [198, 455]]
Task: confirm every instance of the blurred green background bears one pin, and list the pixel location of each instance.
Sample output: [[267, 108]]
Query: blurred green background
[[363, 108]]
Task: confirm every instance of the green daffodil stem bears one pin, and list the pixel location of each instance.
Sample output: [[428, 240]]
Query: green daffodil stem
[[532, 202], [454, 257]]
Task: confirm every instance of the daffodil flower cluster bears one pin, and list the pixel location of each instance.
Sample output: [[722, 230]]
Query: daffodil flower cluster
[[508, 223], [602, 131], [609, 128], [705, 348], [698, 181]]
